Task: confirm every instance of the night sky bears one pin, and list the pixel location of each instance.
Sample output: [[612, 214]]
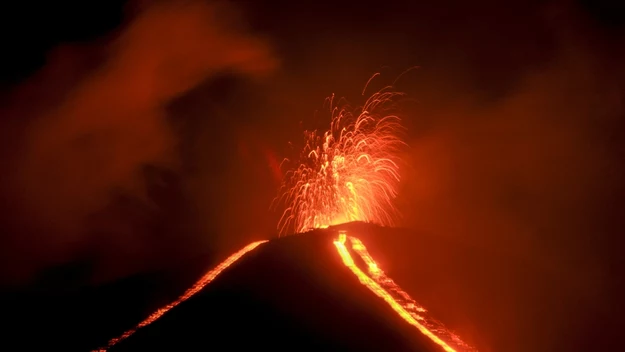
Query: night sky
[[136, 135]]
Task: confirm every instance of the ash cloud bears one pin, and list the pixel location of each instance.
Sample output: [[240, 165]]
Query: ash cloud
[[85, 127], [533, 176]]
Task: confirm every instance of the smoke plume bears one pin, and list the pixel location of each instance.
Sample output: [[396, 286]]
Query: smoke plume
[[100, 118], [534, 177]]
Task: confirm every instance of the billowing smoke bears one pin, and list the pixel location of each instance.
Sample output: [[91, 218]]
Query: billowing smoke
[[99, 120], [534, 177]]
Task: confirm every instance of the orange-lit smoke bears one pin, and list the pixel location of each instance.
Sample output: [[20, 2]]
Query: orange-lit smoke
[[97, 136], [532, 177], [350, 173]]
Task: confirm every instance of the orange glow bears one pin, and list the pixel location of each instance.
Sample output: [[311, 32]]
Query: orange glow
[[350, 173], [205, 280], [382, 286], [376, 281]]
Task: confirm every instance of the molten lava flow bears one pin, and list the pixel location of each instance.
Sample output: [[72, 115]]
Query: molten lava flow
[[348, 174], [400, 301], [205, 280], [351, 173]]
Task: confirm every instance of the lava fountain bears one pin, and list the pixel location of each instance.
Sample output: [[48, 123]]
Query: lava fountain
[[348, 173], [351, 173]]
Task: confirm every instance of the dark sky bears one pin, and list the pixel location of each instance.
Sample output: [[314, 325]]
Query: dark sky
[[135, 135]]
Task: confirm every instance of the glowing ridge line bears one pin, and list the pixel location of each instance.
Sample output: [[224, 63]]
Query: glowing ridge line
[[375, 287], [199, 285]]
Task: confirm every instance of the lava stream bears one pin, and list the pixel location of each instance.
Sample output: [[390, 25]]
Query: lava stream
[[383, 287], [203, 281]]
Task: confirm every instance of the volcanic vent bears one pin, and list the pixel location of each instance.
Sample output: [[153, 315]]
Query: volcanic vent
[[319, 290]]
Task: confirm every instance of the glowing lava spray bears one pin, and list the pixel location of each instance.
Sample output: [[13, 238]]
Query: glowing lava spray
[[348, 173], [351, 173]]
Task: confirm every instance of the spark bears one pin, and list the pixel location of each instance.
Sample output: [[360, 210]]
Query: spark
[[199, 285], [382, 286], [348, 173]]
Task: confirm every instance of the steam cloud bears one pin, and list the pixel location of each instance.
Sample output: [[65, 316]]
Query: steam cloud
[[532, 177], [95, 137]]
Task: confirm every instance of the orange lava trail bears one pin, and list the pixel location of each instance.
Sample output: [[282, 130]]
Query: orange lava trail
[[405, 300], [199, 285], [400, 301]]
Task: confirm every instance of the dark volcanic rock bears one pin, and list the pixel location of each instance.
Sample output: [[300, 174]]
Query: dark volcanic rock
[[289, 294]]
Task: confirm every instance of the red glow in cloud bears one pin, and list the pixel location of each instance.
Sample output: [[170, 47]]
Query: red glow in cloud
[[95, 140], [251, 146], [272, 159]]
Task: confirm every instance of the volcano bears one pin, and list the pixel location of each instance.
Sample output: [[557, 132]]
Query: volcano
[[301, 291], [314, 290]]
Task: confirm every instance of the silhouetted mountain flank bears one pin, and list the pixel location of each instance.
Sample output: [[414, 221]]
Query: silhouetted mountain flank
[[297, 289], [291, 293]]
